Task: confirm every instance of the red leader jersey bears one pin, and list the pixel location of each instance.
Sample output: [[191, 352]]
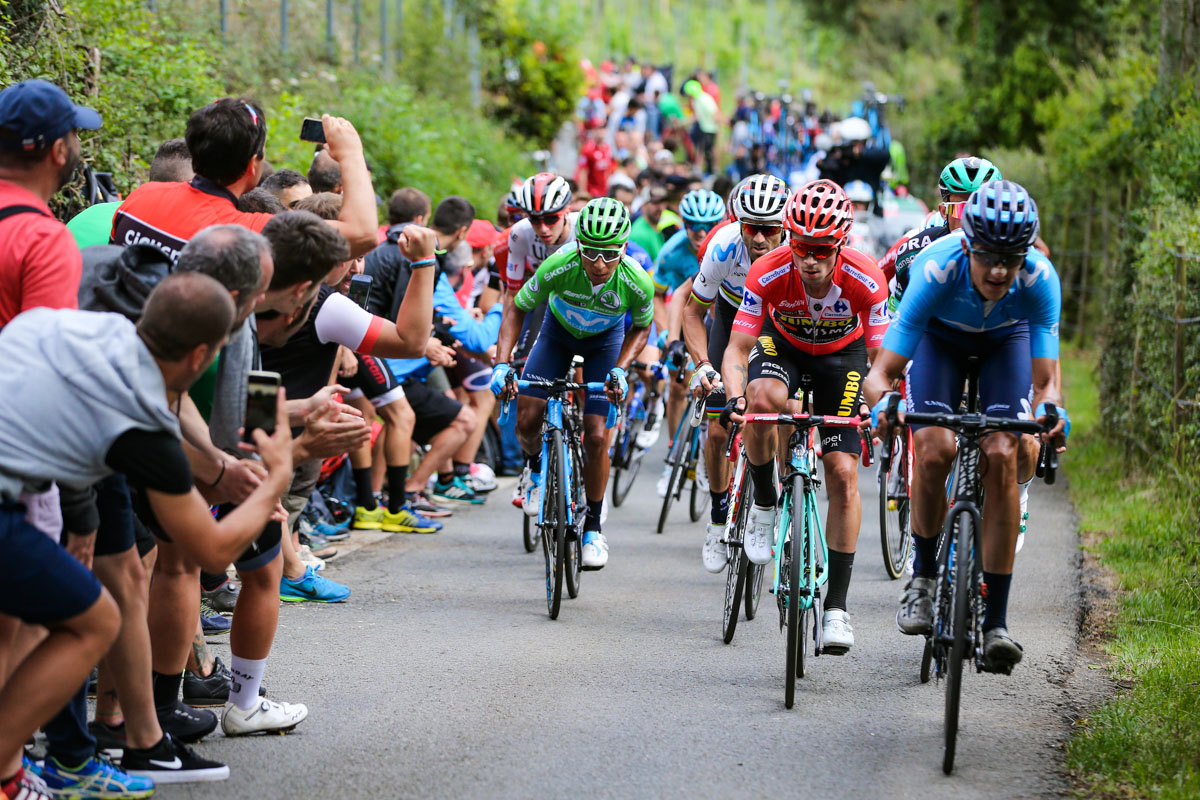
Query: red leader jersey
[[855, 306]]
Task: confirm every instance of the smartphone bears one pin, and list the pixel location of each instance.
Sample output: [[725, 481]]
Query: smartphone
[[360, 289], [312, 130], [262, 401]]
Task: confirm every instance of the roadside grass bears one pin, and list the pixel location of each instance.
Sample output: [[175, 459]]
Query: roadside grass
[[1145, 741]]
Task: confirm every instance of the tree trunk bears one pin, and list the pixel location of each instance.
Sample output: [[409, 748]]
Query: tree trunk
[[1178, 39]]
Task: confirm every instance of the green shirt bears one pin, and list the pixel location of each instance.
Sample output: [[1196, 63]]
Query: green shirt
[[705, 109], [583, 309], [645, 234], [668, 106], [93, 225]]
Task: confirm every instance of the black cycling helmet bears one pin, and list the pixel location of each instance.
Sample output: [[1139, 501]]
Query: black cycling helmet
[[1000, 216]]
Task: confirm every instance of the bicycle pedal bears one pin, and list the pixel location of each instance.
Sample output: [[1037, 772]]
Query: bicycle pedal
[[835, 650]]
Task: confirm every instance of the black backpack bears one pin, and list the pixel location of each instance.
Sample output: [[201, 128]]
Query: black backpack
[[121, 278]]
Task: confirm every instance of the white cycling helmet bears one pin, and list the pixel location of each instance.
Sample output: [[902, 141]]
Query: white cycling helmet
[[854, 129], [760, 198], [544, 193], [859, 192]]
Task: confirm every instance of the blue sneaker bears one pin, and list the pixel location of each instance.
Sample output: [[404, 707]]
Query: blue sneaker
[[456, 491], [31, 766], [312, 588], [96, 777], [333, 533], [212, 622]]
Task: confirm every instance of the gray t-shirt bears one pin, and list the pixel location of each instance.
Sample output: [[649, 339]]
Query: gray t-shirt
[[239, 356]]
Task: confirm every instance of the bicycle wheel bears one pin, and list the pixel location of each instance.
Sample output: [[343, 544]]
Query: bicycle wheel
[[754, 589], [627, 458], [574, 565], [964, 530], [531, 533], [793, 555], [926, 661], [676, 458], [554, 528], [735, 571], [895, 533]]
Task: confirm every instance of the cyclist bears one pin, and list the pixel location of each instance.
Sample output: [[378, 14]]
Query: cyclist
[[588, 289], [677, 262], [818, 308], [757, 204], [547, 227], [981, 292]]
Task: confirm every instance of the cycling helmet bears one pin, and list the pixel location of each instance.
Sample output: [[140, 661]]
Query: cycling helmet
[[603, 222], [860, 192], [965, 175], [759, 198], [1000, 216], [819, 209], [702, 207], [512, 202], [855, 129], [544, 193]]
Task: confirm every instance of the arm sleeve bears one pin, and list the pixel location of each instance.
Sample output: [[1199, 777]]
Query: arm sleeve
[[749, 317], [875, 317], [642, 293], [1045, 300], [151, 460], [661, 276], [709, 278], [339, 319], [514, 263]]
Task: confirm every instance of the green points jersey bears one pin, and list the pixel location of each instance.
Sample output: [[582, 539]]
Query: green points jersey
[[583, 309]]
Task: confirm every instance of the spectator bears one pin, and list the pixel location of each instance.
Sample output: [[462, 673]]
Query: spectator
[[645, 229], [408, 205], [325, 174], [260, 201], [626, 174], [172, 163], [226, 140], [704, 132], [853, 159], [623, 193], [289, 186], [595, 164], [39, 152]]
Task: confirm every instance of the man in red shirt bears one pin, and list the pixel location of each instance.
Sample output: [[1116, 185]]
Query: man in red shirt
[[226, 140], [39, 152], [595, 163], [817, 308]]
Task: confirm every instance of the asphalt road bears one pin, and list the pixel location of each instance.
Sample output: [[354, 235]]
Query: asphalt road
[[443, 677]]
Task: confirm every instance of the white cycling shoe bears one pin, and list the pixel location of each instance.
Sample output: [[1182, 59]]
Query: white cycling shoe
[[836, 632], [265, 716], [531, 492], [760, 534], [647, 437], [595, 550], [663, 481], [715, 553]]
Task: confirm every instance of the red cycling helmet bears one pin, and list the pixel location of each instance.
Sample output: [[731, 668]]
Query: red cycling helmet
[[544, 193], [817, 210]]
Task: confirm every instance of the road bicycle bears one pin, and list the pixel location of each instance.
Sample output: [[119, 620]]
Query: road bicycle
[[800, 551], [743, 578], [563, 501], [635, 415], [959, 591], [685, 458], [895, 478]]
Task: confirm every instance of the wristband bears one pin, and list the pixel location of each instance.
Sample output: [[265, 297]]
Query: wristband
[[220, 474], [424, 262]]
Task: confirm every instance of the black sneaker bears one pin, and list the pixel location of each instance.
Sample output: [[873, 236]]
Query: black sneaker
[[170, 761], [211, 691], [187, 724], [110, 741]]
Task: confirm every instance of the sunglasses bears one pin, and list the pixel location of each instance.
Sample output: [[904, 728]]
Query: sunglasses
[[604, 254], [698, 227], [808, 250], [954, 210], [548, 220], [1006, 260], [753, 229]]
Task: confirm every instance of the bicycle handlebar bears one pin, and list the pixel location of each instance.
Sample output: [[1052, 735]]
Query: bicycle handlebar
[[557, 387], [806, 421]]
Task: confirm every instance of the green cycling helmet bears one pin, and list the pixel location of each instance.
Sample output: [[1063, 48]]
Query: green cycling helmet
[[965, 175], [603, 222]]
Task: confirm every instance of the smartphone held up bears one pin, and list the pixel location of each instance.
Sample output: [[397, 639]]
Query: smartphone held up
[[312, 130], [262, 404]]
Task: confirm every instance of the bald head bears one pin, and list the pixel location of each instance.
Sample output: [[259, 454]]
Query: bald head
[[186, 310]]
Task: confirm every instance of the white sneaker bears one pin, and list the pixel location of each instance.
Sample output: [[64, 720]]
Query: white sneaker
[[265, 716], [715, 553], [532, 493], [305, 555], [836, 632], [595, 550], [663, 480], [760, 534]]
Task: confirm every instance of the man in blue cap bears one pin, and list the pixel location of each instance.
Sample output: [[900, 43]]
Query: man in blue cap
[[39, 152]]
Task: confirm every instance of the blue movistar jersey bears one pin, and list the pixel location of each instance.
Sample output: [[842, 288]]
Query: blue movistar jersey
[[676, 262], [640, 255], [939, 287]]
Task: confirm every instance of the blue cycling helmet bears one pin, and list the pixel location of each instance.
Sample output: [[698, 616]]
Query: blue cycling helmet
[[702, 207], [1000, 216]]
